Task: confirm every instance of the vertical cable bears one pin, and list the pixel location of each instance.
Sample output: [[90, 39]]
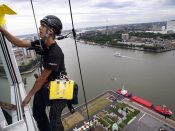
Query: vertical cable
[[35, 20], [37, 33], [74, 35]]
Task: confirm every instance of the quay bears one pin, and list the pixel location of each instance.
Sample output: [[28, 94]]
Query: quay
[[109, 109]]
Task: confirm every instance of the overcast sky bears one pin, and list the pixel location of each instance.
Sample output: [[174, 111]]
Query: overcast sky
[[87, 13]]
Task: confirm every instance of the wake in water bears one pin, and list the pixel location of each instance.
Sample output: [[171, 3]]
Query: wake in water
[[117, 54], [129, 57]]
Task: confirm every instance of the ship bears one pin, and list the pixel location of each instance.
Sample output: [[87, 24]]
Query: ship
[[117, 54], [163, 110]]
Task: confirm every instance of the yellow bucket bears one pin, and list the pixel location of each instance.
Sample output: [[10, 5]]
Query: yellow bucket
[[60, 89]]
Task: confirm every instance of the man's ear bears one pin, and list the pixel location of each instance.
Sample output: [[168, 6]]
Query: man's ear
[[51, 31]]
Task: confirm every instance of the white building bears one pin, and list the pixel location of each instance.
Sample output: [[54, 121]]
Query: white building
[[23, 56], [125, 37], [170, 26]]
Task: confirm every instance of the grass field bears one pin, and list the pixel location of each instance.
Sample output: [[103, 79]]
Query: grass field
[[93, 107], [72, 120], [96, 105]]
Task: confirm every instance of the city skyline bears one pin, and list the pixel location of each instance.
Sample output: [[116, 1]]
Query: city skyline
[[88, 13]]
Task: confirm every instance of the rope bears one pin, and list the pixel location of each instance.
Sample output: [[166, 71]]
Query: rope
[[37, 34], [74, 35], [41, 58], [35, 20]]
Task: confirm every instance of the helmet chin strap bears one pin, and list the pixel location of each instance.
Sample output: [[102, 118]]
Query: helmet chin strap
[[47, 32]]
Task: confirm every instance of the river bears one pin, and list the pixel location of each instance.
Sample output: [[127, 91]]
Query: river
[[148, 75]]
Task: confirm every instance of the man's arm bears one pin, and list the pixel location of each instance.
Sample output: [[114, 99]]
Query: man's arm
[[16, 41], [38, 84]]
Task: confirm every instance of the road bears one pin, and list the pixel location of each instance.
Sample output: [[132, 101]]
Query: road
[[151, 113]]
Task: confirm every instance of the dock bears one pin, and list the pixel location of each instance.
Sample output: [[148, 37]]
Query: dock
[[109, 110]]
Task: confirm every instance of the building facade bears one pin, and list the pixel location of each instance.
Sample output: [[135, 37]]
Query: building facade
[[170, 26], [23, 56]]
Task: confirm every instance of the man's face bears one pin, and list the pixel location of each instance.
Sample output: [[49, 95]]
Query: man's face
[[43, 30]]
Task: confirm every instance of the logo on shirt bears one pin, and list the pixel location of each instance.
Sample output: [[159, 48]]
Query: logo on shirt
[[52, 64]]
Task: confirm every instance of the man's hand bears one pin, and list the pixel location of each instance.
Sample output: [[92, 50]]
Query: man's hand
[[1, 29], [26, 101]]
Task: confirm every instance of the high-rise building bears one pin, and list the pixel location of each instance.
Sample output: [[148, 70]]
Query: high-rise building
[[170, 28]]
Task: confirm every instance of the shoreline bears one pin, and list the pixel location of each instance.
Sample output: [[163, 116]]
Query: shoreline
[[30, 71], [23, 73], [123, 47]]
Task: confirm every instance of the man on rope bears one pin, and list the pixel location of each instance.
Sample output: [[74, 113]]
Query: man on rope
[[53, 65]]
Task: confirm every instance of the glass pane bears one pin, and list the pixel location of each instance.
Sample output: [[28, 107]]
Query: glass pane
[[5, 94], [26, 59]]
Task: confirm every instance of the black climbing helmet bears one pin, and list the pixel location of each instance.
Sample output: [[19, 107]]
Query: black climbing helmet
[[53, 22]]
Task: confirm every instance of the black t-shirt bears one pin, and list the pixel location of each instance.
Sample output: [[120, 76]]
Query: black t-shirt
[[53, 59]]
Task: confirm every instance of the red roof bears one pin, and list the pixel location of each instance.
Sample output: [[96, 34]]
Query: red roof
[[141, 101]]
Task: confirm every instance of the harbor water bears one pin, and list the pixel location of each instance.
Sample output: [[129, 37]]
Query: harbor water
[[148, 75]]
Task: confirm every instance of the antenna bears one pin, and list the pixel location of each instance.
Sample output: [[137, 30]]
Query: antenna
[[164, 106], [107, 33]]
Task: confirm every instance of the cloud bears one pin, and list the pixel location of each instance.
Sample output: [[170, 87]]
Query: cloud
[[114, 5], [88, 12], [169, 2]]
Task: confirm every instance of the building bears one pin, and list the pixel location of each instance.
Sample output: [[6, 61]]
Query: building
[[0, 61], [19, 55], [115, 127], [23, 56], [125, 37], [170, 28], [156, 28]]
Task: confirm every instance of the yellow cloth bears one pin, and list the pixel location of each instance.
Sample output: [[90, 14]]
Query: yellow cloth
[[4, 9], [61, 89]]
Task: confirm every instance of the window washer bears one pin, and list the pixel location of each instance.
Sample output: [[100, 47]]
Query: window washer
[[53, 64]]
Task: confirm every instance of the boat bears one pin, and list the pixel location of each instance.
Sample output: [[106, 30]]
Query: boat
[[117, 54], [163, 110]]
